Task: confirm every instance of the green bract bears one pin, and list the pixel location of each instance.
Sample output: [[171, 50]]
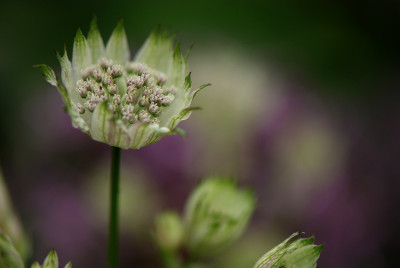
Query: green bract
[[9, 256], [216, 215], [126, 104], [292, 253], [51, 261], [10, 224]]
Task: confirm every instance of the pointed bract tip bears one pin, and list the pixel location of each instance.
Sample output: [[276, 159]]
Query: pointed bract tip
[[156, 31], [79, 33], [94, 20], [120, 25]]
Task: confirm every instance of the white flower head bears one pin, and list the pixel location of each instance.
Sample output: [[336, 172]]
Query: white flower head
[[124, 103]]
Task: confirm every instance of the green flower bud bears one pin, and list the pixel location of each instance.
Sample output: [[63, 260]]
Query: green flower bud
[[51, 261], [169, 231], [108, 96], [9, 257], [292, 253], [216, 215]]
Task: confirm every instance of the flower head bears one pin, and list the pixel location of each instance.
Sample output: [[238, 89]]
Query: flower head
[[216, 214], [127, 104]]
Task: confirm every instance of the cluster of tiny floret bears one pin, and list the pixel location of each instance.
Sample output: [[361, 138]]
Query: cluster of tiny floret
[[134, 93]]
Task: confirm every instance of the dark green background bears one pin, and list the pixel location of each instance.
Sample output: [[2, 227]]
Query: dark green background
[[344, 52]]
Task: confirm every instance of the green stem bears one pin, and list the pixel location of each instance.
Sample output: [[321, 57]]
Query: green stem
[[170, 259], [114, 190]]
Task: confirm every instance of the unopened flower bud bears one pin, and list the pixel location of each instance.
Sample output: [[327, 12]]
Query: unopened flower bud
[[169, 231], [82, 91], [292, 252], [144, 116], [216, 214], [105, 63], [167, 99], [154, 109], [79, 108], [107, 79], [154, 121], [112, 89], [116, 99], [143, 101], [97, 74], [116, 70]]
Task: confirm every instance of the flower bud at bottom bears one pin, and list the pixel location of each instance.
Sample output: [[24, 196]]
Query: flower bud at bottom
[[216, 215], [293, 252], [169, 231]]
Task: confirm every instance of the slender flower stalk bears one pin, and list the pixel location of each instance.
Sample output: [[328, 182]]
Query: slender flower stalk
[[114, 201]]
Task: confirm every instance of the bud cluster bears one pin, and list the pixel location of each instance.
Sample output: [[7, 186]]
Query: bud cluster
[[133, 94]]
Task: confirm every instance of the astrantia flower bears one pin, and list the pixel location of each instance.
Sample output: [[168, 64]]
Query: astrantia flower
[[126, 104]]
